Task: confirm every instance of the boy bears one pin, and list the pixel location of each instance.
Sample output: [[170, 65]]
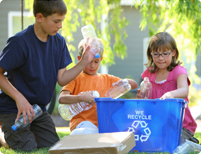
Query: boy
[[30, 65], [88, 80]]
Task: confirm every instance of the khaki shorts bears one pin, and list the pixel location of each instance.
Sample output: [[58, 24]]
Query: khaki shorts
[[40, 133]]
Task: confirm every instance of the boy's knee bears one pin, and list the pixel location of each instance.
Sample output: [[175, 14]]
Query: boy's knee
[[17, 142], [2, 140], [24, 146]]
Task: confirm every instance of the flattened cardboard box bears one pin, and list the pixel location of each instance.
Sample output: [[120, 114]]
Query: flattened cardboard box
[[103, 143]]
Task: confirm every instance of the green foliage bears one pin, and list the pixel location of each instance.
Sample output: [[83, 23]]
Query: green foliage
[[129, 95], [84, 12], [37, 151], [56, 111], [58, 90], [194, 97], [181, 18], [62, 134]]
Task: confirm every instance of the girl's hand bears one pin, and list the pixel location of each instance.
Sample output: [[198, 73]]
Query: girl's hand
[[167, 95], [87, 97], [139, 95]]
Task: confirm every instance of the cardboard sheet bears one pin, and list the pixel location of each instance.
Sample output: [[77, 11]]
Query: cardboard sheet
[[103, 143]]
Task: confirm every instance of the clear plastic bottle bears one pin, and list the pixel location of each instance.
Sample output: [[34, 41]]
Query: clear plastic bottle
[[119, 89], [88, 31], [183, 148], [20, 122], [146, 88], [67, 111]]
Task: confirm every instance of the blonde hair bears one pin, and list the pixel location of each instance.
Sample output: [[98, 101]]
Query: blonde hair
[[82, 43], [159, 41]]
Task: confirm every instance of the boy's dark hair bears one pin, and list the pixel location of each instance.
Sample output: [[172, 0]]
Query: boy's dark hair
[[49, 7], [162, 41]]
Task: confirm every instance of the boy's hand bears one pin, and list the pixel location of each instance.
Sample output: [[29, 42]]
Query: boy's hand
[[116, 83], [89, 52], [87, 97], [26, 109], [122, 81], [87, 56], [94, 45], [22, 104], [139, 95]]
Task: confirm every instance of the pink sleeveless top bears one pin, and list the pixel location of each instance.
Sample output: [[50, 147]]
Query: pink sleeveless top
[[158, 89]]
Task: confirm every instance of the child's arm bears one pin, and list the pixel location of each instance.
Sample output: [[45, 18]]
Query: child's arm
[[139, 95], [65, 76], [22, 104], [130, 81], [133, 83], [182, 88], [66, 98]]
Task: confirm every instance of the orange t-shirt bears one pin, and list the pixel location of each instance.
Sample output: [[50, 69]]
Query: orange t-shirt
[[84, 82]]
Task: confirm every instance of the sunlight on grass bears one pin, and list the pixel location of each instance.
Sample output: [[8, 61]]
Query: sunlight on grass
[[64, 131], [198, 136]]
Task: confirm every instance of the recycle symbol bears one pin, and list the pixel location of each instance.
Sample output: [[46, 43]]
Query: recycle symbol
[[147, 132]]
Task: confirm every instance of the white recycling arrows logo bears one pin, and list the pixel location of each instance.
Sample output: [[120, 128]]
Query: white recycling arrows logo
[[147, 132]]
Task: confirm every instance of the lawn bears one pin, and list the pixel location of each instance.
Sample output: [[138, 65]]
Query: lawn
[[64, 132]]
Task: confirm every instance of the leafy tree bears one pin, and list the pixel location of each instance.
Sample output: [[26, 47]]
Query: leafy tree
[[182, 18], [83, 12]]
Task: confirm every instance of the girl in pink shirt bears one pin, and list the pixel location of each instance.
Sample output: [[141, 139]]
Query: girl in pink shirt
[[168, 78]]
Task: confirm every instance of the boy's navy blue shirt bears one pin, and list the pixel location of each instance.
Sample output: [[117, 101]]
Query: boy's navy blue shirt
[[32, 67]]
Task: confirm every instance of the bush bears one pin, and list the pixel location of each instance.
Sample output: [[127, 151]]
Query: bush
[[194, 96]]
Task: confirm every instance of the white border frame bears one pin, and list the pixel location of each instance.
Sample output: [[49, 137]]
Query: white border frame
[[10, 20], [145, 45]]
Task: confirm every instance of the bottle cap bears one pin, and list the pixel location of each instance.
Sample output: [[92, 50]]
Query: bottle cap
[[96, 94], [97, 55], [146, 79], [14, 128]]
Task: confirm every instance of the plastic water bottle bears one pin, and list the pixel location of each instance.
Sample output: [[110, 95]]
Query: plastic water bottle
[[20, 122], [67, 111], [119, 89], [183, 148], [194, 146], [88, 31], [146, 88], [186, 147]]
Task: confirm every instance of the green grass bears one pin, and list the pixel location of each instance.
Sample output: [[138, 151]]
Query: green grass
[[64, 132]]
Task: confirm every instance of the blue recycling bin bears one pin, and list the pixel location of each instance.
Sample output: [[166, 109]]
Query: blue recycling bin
[[156, 123]]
